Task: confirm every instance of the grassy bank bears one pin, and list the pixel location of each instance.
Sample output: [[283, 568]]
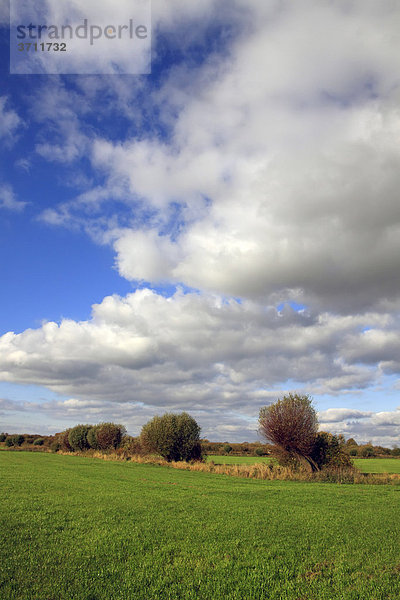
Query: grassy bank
[[87, 529]]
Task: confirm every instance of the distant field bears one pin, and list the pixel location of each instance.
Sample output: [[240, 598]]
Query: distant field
[[237, 460], [76, 528], [378, 465], [366, 465]]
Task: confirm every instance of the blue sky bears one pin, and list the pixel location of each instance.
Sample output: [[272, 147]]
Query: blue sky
[[210, 236]]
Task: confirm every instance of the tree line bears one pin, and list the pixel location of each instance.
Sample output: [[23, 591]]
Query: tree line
[[289, 428]]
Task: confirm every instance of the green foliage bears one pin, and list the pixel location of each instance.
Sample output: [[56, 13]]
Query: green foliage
[[366, 451], [38, 441], [227, 448], [351, 442], [173, 436], [55, 445], [3, 437], [353, 452], [92, 437], [396, 451], [132, 445], [77, 437], [18, 439], [329, 451], [63, 439], [9, 441], [260, 452]]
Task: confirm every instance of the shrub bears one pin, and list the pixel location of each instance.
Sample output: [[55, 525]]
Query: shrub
[[3, 437], [132, 445], [63, 439], [77, 437], [353, 452], [174, 436], [38, 441], [260, 452], [55, 446], [227, 448], [395, 451], [9, 442], [109, 435], [92, 437], [18, 439], [367, 451], [329, 451]]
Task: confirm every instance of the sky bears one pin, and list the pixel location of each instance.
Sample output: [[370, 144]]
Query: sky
[[210, 236]]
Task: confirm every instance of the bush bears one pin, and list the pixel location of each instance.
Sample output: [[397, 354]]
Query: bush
[[18, 440], [92, 437], [132, 445], [366, 451], [55, 446], [77, 437], [260, 452], [173, 436], [3, 437], [9, 442], [227, 448], [38, 442], [109, 435], [395, 451], [63, 439], [329, 451], [353, 452]]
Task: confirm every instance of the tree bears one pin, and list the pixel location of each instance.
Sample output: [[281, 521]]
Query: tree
[[174, 436], [77, 437], [18, 439], [109, 435], [291, 424]]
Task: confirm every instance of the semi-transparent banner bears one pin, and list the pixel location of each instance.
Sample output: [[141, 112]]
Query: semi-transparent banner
[[75, 37]]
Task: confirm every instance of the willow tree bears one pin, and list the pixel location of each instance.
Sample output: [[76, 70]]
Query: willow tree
[[291, 424]]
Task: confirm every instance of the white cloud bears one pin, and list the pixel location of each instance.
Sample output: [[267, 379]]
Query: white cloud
[[10, 122], [218, 358], [8, 199], [335, 415], [283, 160], [379, 428]]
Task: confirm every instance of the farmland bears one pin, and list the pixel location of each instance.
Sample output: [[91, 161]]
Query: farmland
[[87, 529]]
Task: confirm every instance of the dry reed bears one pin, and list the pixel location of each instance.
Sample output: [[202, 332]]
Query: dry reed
[[265, 471]]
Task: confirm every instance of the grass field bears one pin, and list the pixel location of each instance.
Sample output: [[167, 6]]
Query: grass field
[[366, 465], [76, 528], [237, 460]]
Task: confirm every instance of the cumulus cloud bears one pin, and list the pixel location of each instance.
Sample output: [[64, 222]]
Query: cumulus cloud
[[222, 358], [288, 186], [379, 428]]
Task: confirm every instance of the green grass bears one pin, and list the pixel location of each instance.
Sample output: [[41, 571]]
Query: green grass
[[76, 528], [377, 465], [366, 465]]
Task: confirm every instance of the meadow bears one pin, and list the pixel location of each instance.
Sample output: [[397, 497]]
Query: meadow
[[86, 529], [365, 465]]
